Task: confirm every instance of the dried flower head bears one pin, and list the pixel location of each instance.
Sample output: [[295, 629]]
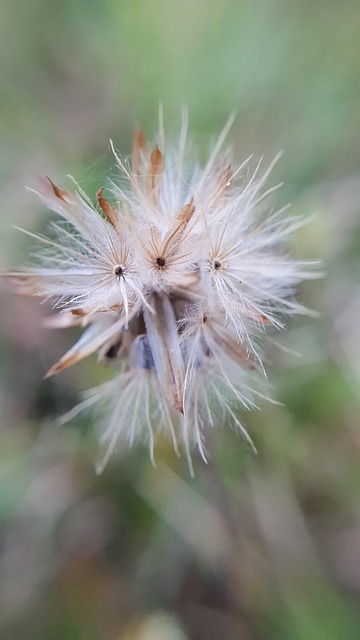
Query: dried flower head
[[175, 281]]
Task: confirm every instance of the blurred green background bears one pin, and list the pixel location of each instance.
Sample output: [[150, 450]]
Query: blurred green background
[[264, 548]]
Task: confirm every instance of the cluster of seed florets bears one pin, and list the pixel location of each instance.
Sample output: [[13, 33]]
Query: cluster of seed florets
[[185, 327]]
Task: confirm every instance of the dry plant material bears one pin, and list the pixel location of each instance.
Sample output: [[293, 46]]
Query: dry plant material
[[175, 282]]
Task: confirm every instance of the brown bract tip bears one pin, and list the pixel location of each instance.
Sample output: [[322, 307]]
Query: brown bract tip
[[186, 212], [139, 146], [182, 219], [155, 170], [260, 317], [78, 312], [64, 363], [107, 208], [60, 193]]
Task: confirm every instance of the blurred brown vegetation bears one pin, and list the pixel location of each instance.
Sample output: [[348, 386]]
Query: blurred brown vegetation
[[253, 548]]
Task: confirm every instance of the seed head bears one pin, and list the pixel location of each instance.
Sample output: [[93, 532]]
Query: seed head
[[175, 281]]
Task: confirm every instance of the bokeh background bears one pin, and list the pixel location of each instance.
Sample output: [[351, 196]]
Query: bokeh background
[[254, 548]]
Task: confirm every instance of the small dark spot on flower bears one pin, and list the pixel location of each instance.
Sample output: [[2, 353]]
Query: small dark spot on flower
[[216, 265], [118, 270], [113, 350], [160, 262]]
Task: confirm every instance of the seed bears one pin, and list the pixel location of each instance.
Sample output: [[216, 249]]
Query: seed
[[118, 270], [160, 262]]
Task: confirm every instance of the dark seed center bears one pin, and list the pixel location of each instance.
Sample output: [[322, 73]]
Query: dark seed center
[[216, 264], [118, 270], [160, 262]]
